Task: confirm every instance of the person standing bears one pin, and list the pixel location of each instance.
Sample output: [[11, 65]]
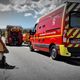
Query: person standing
[[3, 50]]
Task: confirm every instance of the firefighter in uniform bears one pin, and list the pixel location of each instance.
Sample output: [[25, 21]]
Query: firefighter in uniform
[[3, 50]]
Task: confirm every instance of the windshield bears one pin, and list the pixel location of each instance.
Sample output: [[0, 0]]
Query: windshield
[[75, 19], [34, 29]]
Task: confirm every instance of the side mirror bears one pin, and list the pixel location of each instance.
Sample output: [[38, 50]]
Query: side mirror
[[32, 32]]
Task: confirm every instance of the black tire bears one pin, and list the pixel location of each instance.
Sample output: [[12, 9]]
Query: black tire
[[7, 44], [31, 47], [19, 44], [53, 52]]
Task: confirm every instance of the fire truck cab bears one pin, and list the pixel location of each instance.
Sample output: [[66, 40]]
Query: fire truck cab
[[13, 35], [26, 37], [58, 32]]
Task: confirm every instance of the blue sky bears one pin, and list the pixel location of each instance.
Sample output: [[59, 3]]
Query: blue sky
[[25, 12], [14, 18]]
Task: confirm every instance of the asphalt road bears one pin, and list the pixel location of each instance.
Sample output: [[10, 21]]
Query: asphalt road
[[37, 66]]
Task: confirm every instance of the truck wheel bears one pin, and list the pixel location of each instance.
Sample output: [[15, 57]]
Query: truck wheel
[[31, 47], [7, 44], [53, 52], [19, 44]]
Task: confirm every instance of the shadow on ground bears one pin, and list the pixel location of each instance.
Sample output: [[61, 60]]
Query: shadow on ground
[[23, 45], [43, 53], [71, 61], [68, 60]]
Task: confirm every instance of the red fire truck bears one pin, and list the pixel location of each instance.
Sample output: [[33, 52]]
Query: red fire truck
[[13, 35], [58, 32], [26, 37]]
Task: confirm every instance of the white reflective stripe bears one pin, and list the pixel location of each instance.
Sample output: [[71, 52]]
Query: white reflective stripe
[[67, 40], [71, 7], [64, 39], [64, 36], [64, 33], [67, 19], [66, 26], [70, 45], [77, 7]]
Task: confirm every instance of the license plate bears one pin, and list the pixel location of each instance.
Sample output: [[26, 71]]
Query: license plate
[[76, 40]]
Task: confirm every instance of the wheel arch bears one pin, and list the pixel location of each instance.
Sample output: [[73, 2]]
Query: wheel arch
[[51, 45]]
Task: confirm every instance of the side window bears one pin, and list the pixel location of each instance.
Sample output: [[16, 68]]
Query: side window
[[74, 20], [35, 28], [54, 22], [57, 20], [40, 28], [43, 26]]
